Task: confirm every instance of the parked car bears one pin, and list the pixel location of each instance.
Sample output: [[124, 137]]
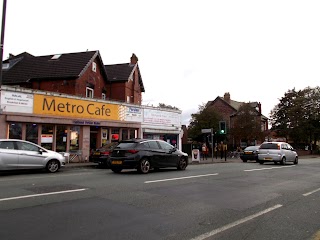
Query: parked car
[[146, 154], [102, 154], [277, 152], [19, 154], [250, 154]]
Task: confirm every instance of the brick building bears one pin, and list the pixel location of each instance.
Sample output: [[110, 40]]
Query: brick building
[[73, 102], [228, 110]]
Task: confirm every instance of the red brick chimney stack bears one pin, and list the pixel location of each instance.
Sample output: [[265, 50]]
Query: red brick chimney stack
[[133, 59]]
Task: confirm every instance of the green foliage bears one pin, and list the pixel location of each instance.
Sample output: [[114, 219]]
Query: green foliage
[[205, 118], [296, 116]]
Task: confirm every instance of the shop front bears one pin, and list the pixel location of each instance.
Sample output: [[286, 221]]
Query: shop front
[[63, 123]]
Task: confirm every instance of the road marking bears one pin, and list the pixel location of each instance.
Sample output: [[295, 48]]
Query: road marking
[[231, 225], [173, 179], [42, 194], [309, 193], [260, 169], [51, 176]]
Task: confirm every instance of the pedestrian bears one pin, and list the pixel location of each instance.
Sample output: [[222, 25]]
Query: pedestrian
[[225, 148], [216, 150], [204, 151], [220, 149]]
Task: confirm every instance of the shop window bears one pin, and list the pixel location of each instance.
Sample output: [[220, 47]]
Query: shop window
[[15, 131], [133, 133], [61, 141], [47, 136], [32, 132], [74, 138]]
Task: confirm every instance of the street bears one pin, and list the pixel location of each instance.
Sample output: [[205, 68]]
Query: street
[[206, 201]]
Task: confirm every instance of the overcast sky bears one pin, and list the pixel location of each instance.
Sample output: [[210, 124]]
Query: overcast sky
[[189, 52]]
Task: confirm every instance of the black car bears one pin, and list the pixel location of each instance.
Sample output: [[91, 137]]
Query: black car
[[101, 155], [250, 153], [146, 154]]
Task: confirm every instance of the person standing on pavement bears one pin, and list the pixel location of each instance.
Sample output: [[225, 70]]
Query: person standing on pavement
[[220, 149], [225, 148], [204, 151]]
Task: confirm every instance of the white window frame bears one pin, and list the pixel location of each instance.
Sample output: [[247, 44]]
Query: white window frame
[[94, 67], [88, 91]]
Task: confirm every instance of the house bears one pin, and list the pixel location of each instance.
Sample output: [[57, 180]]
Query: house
[[74, 103], [81, 74], [228, 109]]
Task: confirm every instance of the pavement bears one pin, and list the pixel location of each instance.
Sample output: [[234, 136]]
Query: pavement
[[209, 160]]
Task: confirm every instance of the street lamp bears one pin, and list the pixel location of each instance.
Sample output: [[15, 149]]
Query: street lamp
[[2, 37]]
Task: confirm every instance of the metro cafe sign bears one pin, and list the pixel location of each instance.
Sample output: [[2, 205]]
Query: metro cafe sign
[[67, 107]]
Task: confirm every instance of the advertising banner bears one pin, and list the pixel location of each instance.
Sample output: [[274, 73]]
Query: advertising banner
[[16, 102], [68, 107]]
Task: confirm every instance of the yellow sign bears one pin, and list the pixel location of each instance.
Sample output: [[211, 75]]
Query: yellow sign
[[66, 107]]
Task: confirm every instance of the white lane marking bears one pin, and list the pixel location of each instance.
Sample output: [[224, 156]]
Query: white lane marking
[[51, 176], [41, 194], [260, 169], [173, 179], [309, 193], [231, 225]]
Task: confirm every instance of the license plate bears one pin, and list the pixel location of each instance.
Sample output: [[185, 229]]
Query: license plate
[[96, 153], [116, 162], [247, 152], [267, 158]]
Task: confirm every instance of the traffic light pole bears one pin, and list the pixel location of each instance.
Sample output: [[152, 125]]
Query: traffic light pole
[[212, 143]]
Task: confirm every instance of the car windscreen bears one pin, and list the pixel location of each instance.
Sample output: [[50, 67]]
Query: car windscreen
[[269, 146], [251, 148]]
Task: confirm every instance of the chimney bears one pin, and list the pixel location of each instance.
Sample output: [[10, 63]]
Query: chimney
[[133, 59], [259, 106], [226, 97]]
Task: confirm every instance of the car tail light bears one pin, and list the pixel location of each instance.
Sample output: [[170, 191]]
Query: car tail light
[[132, 151], [105, 153]]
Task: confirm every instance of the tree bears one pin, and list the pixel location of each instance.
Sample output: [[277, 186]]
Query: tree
[[205, 118], [246, 124], [296, 116]]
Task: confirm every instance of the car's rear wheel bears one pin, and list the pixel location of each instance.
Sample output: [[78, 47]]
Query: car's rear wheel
[[295, 161], [283, 161], [182, 164], [244, 160], [261, 162], [144, 166], [116, 170], [53, 166]]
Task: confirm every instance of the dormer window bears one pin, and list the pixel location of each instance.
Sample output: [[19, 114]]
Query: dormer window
[[89, 92]]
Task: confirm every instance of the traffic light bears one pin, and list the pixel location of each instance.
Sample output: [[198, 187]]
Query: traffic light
[[222, 127]]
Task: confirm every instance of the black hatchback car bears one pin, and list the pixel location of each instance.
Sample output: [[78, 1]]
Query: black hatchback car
[[146, 154], [250, 154]]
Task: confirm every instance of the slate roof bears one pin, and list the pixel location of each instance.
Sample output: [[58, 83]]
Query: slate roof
[[26, 67], [121, 73], [235, 105]]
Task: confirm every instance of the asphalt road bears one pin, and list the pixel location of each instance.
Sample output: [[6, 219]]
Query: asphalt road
[[210, 201]]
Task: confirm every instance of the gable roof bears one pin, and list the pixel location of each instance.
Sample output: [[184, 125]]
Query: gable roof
[[26, 67], [235, 105], [121, 73]]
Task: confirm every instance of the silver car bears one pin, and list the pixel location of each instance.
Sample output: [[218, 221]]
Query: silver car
[[19, 154], [277, 152]]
